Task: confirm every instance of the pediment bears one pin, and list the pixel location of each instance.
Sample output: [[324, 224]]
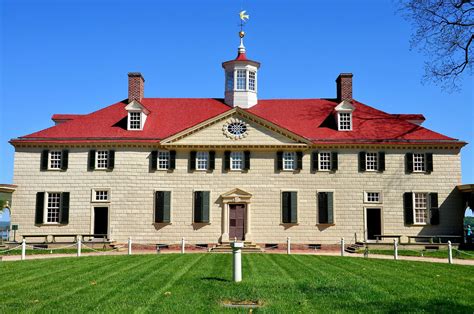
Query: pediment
[[236, 193], [136, 106], [345, 106], [251, 131]]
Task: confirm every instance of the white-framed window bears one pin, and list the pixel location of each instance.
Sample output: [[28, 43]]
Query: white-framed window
[[134, 120], [420, 208], [345, 121], [102, 159], [419, 163], [53, 207], [236, 160], [202, 160], [229, 80], [163, 161], [371, 162], [373, 197], [289, 160], [241, 79], [55, 159], [100, 195], [324, 161], [252, 75]]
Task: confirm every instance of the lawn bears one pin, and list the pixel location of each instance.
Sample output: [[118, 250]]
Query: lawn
[[191, 283], [425, 253]]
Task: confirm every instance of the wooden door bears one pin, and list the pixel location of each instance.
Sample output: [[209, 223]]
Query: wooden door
[[236, 221]]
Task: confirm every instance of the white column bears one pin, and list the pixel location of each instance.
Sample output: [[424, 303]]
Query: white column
[[225, 220], [237, 260], [182, 245], [248, 222], [79, 247], [23, 250], [130, 246], [288, 245], [450, 253], [342, 246], [395, 249]]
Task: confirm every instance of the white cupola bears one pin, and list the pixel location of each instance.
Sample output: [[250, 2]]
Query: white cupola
[[241, 79]]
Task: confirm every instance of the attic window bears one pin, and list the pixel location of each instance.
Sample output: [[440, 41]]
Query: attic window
[[344, 121], [134, 121]]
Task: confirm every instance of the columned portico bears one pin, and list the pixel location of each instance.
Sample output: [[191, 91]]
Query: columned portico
[[236, 196]]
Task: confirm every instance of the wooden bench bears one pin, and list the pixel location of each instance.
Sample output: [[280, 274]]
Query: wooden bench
[[421, 237], [94, 236], [431, 238], [74, 236], [456, 237], [44, 236], [390, 236]]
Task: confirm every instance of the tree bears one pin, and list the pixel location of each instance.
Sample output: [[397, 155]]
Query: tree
[[444, 31]]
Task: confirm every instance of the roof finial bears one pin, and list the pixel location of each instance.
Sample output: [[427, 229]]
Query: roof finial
[[243, 18]]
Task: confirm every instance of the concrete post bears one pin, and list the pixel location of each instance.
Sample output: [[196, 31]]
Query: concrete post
[[182, 245], [288, 245], [342, 246], [79, 247], [130, 246], [450, 253], [237, 260], [395, 249], [23, 250]]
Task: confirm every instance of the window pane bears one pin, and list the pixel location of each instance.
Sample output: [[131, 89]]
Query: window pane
[[289, 161], [252, 80], [236, 160], [419, 162], [102, 195], [229, 80], [202, 160], [324, 161], [421, 210], [371, 162], [53, 207], [102, 159], [55, 160], [373, 197], [163, 160], [135, 120], [345, 121], [241, 79]]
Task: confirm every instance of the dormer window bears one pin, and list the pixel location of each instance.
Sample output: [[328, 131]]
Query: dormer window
[[135, 120], [345, 121], [137, 114]]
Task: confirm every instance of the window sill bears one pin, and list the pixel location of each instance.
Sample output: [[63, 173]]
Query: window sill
[[289, 224], [326, 225], [100, 202], [420, 224], [49, 224]]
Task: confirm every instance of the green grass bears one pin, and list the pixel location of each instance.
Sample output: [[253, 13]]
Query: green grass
[[192, 283], [438, 254]]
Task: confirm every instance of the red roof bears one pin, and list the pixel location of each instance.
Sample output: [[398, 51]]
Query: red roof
[[312, 119]]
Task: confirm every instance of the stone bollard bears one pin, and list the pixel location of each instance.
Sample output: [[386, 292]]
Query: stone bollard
[[395, 249], [79, 247], [342, 246], [23, 250], [130, 246], [288, 245], [450, 253], [182, 245], [237, 260]]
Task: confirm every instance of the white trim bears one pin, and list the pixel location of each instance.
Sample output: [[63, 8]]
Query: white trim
[[366, 229], [93, 195], [108, 206], [366, 201], [45, 209], [427, 209]]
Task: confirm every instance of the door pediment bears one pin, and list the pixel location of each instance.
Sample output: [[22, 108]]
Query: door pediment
[[236, 195]]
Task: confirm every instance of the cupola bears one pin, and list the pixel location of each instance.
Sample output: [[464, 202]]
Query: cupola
[[241, 78]]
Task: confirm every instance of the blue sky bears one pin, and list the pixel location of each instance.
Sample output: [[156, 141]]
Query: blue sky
[[73, 57]]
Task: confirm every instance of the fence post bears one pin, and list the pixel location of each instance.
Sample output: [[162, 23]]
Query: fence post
[[182, 245], [342, 246], [288, 245], [450, 253], [79, 247], [23, 250], [129, 245], [395, 249]]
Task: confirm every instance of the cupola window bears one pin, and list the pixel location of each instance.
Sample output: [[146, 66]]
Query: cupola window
[[241, 79], [229, 80], [252, 80]]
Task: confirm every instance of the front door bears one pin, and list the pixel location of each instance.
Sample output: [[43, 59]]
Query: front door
[[101, 220], [374, 223], [236, 221]]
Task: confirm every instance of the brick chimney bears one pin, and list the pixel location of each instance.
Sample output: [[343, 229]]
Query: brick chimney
[[344, 87], [136, 86]]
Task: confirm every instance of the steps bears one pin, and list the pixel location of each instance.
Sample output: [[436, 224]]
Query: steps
[[225, 247], [353, 248]]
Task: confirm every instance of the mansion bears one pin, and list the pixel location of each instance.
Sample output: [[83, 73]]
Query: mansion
[[212, 170]]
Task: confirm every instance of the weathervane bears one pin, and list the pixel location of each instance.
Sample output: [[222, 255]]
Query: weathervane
[[243, 19]]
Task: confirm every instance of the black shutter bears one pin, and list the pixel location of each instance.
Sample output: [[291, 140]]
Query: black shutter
[[409, 162], [64, 208], [91, 160], [192, 160], [227, 160], [64, 159], [162, 206], [323, 207], [212, 160], [197, 206], [381, 161], [314, 161], [334, 161], [293, 207], [429, 162], [172, 160], [408, 207], [285, 207], [205, 206], [330, 207], [299, 160], [39, 208], [280, 161], [111, 163], [434, 210], [44, 160], [154, 160], [246, 160], [362, 161]]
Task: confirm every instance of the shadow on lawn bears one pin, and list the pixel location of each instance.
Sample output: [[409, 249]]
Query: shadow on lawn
[[215, 279]]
